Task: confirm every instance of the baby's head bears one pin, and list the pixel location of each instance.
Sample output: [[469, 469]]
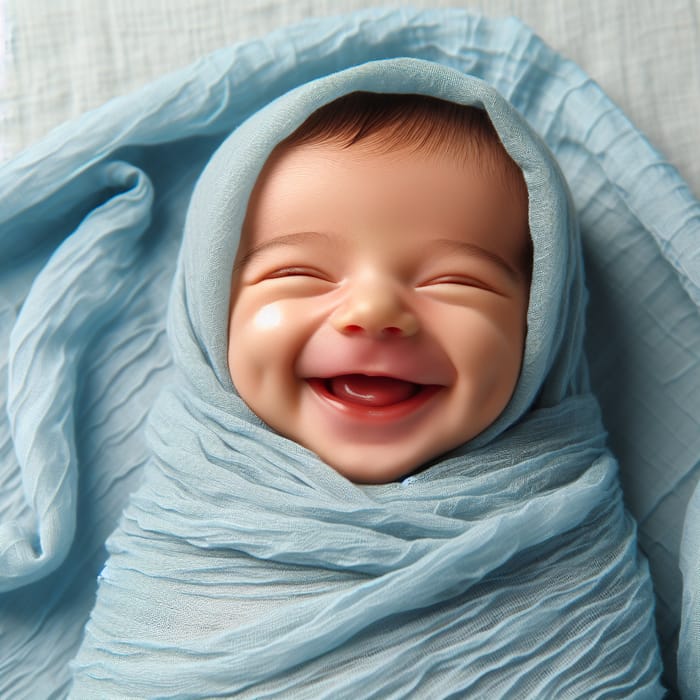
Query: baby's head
[[380, 291]]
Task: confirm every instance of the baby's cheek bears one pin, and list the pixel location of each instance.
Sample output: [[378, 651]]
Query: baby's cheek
[[253, 326], [257, 343], [262, 349], [503, 369], [268, 318], [488, 354]]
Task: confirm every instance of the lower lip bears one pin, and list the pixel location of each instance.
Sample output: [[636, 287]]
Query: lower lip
[[375, 414]]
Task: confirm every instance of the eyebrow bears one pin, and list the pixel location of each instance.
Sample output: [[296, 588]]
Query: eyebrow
[[289, 239], [473, 249], [300, 237]]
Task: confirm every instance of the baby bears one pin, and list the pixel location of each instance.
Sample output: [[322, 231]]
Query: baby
[[380, 277], [380, 290]]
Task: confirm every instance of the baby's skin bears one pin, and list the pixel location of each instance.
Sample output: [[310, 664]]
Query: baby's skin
[[379, 302]]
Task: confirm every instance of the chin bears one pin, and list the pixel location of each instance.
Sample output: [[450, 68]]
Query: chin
[[366, 469], [369, 465]]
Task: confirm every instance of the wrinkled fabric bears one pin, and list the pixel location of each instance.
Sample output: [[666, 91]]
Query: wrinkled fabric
[[91, 225], [497, 570]]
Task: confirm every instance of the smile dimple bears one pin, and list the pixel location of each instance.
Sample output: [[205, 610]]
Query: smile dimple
[[372, 391]]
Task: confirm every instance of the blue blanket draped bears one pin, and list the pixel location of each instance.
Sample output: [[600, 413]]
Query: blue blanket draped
[[215, 583]]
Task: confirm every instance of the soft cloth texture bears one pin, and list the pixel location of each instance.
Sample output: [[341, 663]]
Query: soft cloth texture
[[87, 356], [507, 568]]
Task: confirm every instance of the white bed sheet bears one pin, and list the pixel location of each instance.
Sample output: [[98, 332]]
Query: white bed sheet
[[60, 58]]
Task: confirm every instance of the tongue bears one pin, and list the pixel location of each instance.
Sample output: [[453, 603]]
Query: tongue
[[371, 391]]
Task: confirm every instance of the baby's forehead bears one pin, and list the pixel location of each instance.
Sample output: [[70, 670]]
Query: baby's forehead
[[371, 129], [409, 193], [386, 123]]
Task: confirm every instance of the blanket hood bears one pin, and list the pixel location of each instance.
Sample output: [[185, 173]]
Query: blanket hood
[[553, 366]]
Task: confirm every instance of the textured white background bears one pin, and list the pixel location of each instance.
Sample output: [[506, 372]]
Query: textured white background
[[63, 57]]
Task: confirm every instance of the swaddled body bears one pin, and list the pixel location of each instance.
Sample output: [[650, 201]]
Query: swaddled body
[[252, 562]]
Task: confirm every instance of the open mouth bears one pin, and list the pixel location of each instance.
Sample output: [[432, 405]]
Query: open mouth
[[374, 394], [364, 390]]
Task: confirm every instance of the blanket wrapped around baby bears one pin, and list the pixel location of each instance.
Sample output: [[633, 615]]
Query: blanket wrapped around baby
[[242, 565]]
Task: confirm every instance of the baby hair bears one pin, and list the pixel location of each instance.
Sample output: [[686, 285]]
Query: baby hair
[[405, 121]]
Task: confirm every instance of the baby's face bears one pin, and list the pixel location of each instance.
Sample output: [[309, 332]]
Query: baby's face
[[379, 304]]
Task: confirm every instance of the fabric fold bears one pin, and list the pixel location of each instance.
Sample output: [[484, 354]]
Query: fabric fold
[[41, 412], [112, 189], [515, 539]]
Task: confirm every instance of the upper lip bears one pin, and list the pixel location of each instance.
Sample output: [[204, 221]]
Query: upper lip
[[406, 361], [371, 373], [415, 375]]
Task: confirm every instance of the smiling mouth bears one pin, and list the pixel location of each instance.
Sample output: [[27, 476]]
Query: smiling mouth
[[373, 395], [365, 390]]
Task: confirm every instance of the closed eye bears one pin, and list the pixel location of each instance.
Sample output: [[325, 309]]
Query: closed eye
[[297, 271], [459, 280]]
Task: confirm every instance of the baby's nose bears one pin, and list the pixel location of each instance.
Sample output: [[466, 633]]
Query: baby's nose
[[377, 312]]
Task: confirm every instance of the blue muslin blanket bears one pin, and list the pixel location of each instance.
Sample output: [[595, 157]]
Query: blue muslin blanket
[[242, 564]]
